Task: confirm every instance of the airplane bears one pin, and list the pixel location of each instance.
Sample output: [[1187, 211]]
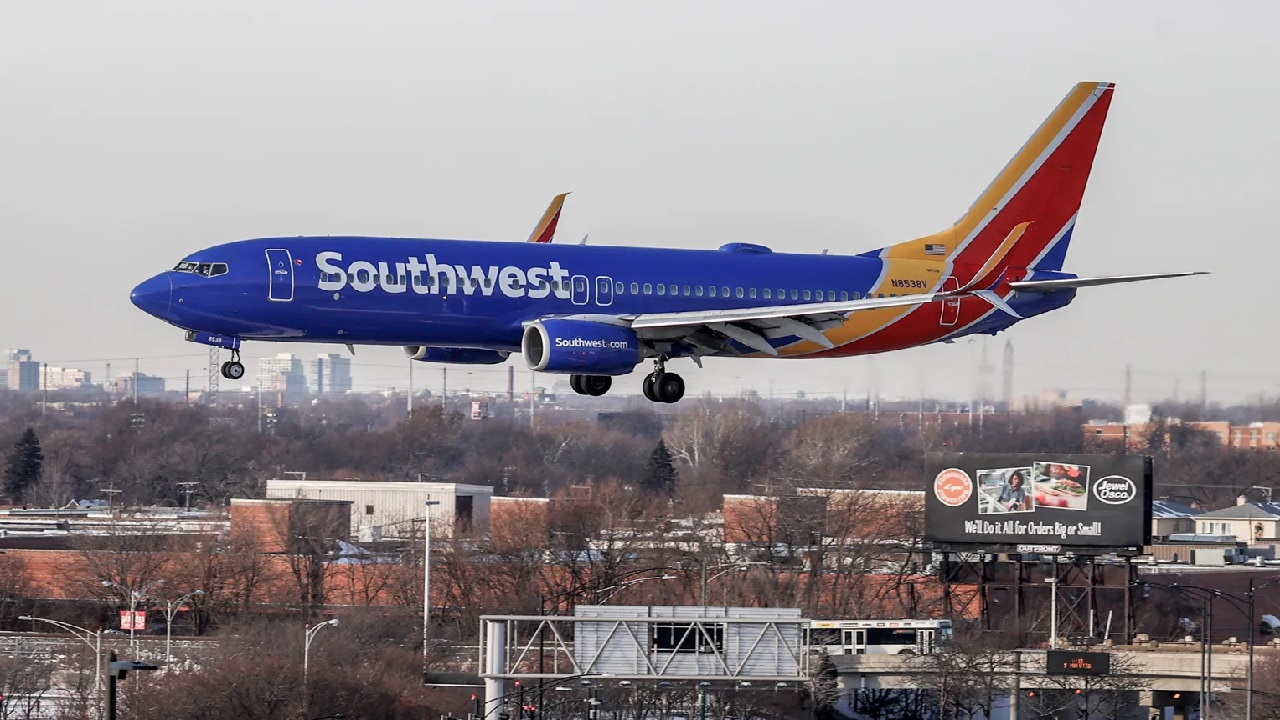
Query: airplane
[[597, 312]]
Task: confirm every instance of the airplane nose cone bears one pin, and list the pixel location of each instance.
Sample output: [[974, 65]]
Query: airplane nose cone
[[152, 296]]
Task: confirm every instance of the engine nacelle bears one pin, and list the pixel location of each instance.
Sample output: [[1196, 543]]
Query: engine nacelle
[[458, 356], [580, 346]]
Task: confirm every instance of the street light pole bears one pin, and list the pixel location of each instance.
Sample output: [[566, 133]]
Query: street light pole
[[134, 597], [75, 630], [1053, 611], [171, 608], [426, 580], [306, 659]]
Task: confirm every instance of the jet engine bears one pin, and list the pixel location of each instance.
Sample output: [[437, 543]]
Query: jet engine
[[586, 347]]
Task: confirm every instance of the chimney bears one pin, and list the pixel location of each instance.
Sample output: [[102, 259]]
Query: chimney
[[1241, 500]]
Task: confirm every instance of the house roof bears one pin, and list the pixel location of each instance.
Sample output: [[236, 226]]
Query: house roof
[[1248, 511], [1168, 509]]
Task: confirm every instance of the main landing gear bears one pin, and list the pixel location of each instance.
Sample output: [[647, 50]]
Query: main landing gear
[[233, 369], [594, 385], [662, 386]]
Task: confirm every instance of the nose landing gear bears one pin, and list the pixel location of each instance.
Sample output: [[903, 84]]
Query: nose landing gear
[[233, 369], [662, 386]]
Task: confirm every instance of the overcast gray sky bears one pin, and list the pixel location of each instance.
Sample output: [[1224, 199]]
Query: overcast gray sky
[[134, 133]]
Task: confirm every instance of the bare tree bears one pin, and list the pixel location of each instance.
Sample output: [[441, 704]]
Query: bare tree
[[968, 677], [15, 587]]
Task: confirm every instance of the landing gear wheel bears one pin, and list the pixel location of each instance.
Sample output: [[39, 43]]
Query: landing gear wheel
[[575, 382], [595, 385], [668, 388], [647, 388], [232, 370]]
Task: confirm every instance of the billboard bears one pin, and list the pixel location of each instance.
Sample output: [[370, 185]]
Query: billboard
[[1045, 504]]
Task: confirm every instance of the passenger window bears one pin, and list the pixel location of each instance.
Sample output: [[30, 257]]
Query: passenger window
[[751, 292], [488, 283], [844, 296], [686, 291], [807, 295], [662, 289], [648, 288], [768, 293], [817, 295], [724, 291], [795, 294], [697, 291], [879, 295], [711, 291], [737, 292], [619, 288], [857, 296]]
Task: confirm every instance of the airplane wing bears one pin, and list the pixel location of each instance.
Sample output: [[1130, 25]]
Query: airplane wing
[[707, 330], [545, 230]]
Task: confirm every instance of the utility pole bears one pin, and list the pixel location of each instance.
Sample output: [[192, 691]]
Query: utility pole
[[410, 402], [44, 403], [444, 387], [135, 380], [186, 393]]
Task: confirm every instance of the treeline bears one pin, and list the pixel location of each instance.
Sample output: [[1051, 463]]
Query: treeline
[[144, 450]]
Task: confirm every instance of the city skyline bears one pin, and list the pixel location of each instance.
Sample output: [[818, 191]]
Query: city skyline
[[988, 379]]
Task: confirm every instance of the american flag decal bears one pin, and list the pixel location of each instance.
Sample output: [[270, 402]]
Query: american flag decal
[[935, 249]]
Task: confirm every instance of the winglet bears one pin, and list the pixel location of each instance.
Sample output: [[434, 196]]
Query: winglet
[[545, 230]]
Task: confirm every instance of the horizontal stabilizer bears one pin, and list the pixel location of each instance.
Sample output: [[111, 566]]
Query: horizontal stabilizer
[[1045, 286]]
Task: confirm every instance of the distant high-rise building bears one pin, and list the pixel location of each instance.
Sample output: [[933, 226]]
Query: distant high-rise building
[[57, 378], [330, 373], [23, 372], [282, 375], [147, 384]]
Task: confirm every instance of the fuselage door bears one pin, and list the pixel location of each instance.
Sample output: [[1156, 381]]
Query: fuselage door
[[604, 291], [950, 306], [280, 265], [581, 294]]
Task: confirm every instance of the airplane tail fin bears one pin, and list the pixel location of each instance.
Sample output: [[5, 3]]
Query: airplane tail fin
[[545, 230], [1025, 217]]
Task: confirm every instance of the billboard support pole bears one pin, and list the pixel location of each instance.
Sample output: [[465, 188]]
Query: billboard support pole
[[1131, 577]]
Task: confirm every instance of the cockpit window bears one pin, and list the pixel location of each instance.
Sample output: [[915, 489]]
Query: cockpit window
[[205, 269]]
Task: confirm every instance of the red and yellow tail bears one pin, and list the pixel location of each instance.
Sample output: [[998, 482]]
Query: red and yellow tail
[[1025, 217], [545, 230]]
